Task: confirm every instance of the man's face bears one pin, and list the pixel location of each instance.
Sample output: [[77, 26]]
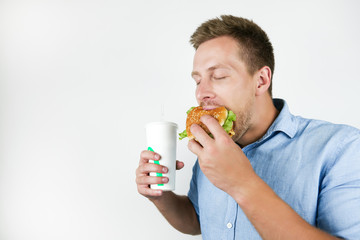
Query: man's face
[[223, 80]]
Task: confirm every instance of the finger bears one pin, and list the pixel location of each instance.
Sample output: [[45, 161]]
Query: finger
[[179, 165], [200, 135], [148, 180], [146, 155], [213, 125], [195, 147], [146, 168], [148, 192]]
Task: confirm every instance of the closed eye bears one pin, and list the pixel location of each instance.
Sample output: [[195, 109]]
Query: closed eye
[[219, 78]]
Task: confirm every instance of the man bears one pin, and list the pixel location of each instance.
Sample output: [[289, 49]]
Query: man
[[280, 176]]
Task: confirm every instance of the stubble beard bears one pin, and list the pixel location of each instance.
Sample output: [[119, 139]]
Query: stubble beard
[[243, 121]]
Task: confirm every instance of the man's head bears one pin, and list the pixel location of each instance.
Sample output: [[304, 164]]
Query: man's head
[[231, 69], [255, 47]]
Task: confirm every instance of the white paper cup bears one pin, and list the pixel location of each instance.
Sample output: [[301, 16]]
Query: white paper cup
[[161, 138]]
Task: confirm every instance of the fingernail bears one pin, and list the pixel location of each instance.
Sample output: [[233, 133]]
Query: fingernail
[[164, 170], [157, 157], [165, 179]]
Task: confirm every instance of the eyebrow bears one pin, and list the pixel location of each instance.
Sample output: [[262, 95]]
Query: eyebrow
[[212, 68]]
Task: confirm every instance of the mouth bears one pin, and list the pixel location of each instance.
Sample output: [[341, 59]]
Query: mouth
[[209, 106]]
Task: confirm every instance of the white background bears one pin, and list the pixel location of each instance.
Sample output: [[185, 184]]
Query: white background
[[80, 79]]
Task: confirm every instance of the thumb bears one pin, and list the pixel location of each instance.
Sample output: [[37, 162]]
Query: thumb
[[179, 165]]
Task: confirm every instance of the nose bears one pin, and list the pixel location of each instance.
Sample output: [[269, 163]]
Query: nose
[[205, 90]]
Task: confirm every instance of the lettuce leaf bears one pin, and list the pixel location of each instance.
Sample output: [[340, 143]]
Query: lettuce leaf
[[190, 110], [183, 135], [229, 121]]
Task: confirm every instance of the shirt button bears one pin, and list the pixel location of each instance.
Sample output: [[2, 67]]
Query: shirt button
[[229, 225]]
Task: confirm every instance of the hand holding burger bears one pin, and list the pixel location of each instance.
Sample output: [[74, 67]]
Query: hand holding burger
[[221, 160]]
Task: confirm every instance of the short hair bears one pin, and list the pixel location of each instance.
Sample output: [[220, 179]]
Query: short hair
[[256, 49]]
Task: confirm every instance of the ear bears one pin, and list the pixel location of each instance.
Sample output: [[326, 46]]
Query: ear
[[263, 80]]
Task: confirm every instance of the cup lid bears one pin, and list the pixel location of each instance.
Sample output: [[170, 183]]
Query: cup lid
[[162, 123]]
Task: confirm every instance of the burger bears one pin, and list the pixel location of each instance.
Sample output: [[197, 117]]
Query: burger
[[221, 114]]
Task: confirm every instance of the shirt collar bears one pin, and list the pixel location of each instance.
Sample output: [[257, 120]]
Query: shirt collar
[[285, 121]]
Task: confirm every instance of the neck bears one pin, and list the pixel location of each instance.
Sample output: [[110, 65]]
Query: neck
[[264, 115]]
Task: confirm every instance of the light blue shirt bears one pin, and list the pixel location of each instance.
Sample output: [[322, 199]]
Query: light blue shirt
[[313, 165]]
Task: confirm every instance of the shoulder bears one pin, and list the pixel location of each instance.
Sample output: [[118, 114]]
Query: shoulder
[[331, 143], [337, 145], [325, 130]]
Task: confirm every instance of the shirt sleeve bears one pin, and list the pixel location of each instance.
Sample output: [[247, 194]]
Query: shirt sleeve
[[339, 197], [193, 191]]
